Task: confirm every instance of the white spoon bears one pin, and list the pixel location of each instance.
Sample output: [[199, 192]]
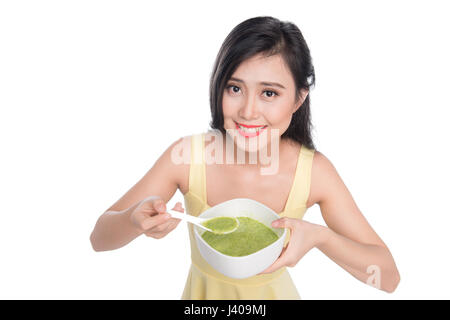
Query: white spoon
[[199, 221]]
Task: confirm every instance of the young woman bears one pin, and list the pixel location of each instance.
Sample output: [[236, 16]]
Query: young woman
[[259, 87]]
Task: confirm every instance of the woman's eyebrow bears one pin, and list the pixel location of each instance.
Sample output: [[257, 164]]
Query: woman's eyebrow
[[264, 83]]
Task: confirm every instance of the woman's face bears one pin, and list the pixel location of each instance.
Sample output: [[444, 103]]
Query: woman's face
[[261, 92]]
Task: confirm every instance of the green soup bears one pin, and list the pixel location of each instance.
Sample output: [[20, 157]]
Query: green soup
[[221, 224], [249, 237]]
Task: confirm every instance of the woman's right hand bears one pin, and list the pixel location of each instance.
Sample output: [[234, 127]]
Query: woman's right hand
[[151, 218]]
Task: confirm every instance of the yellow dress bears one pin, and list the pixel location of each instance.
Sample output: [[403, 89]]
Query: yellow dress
[[204, 282]]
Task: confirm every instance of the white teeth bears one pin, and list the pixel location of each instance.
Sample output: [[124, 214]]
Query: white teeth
[[250, 130]]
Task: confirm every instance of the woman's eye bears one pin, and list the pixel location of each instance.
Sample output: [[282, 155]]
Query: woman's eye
[[272, 93], [232, 86]]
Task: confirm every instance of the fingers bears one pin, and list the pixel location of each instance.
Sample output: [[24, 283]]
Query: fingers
[[178, 207], [151, 222], [163, 229], [283, 259], [284, 223], [152, 218], [280, 262], [171, 223], [159, 206], [167, 225]]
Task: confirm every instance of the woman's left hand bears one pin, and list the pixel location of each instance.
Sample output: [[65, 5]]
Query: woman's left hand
[[304, 236]]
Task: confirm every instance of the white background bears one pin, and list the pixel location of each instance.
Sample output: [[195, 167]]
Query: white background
[[92, 92]]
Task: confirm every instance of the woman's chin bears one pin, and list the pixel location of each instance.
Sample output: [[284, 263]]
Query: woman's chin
[[249, 148], [251, 144]]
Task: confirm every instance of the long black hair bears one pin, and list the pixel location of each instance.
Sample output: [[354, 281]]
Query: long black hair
[[267, 36]]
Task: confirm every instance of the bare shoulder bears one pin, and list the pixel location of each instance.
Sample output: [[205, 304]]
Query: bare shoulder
[[339, 210], [177, 157], [322, 173], [162, 179], [182, 167], [174, 160]]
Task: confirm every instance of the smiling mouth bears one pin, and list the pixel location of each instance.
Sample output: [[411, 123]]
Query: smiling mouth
[[251, 131]]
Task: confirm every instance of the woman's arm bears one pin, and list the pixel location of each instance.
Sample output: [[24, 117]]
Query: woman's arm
[[114, 228], [349, 240], [371, 264]]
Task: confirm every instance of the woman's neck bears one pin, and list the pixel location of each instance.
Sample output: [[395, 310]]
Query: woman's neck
[[221, 149]]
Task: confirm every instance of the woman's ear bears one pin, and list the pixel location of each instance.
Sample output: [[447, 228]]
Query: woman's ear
[[303, 95]]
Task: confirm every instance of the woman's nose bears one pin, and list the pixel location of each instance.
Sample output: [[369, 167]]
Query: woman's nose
[[250, 110]]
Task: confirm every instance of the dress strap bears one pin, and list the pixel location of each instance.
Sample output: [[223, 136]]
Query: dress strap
[[197, 172], [299, 193]]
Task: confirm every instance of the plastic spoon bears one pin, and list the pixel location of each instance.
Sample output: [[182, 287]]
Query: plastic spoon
[[200, 221]]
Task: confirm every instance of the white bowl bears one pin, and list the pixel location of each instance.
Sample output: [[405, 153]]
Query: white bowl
[[252, 264]]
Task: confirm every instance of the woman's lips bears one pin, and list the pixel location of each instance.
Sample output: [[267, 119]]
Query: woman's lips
[[249, 134], [248, 126]]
